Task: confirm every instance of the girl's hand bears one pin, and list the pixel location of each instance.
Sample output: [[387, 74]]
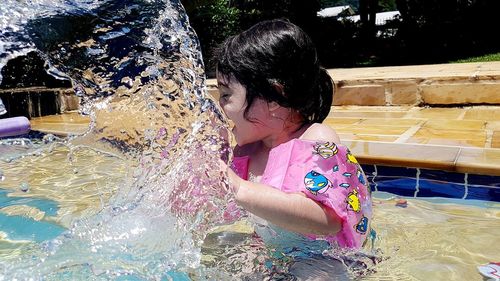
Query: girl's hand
[[233, 179]]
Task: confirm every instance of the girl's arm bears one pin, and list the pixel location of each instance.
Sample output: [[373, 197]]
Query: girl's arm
[[291, 211]]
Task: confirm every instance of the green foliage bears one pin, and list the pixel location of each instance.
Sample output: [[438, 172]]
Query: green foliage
[[485, 58], [434, 31], [387, 5], [428, 31], [218, 19], [213, 21], [300, 12]]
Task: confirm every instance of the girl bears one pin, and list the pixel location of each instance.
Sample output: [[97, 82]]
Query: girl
[[289, 169]]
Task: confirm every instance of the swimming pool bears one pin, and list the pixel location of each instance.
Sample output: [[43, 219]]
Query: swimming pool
[[429, 237], [140, 196]]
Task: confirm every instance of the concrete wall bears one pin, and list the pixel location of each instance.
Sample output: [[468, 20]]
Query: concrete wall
[[433, 85], [432, 92]]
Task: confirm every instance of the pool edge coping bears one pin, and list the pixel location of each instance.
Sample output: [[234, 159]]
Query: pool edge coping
[[462, 160]]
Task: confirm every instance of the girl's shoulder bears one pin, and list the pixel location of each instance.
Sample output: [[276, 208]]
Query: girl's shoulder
[[320, 132]]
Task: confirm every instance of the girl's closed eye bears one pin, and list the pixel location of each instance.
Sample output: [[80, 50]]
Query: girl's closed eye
[[224, 95]]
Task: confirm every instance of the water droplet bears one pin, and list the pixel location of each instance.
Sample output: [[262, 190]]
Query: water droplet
[[48, 138], [79, 91], [24, 187], [127, 81], [75, 171]]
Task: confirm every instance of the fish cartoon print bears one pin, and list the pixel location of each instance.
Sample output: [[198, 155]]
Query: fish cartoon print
[[353, 202], [351, 159], [362, 226], [361, 177], [316, 182]]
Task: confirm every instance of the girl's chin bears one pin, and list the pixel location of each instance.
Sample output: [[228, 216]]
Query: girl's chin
[[239, 140], [245, 138]]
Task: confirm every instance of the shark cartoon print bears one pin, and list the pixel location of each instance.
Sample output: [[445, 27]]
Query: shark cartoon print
[[316, 183]]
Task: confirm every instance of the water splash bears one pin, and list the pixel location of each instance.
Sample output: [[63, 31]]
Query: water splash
[[15, 14], [138, 69]]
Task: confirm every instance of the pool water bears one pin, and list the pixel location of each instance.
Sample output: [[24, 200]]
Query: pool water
[[141, 196], [43, 193], [47, 187], [436, 238]]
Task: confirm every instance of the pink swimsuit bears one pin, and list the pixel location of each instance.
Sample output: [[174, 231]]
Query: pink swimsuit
[[326, 173]]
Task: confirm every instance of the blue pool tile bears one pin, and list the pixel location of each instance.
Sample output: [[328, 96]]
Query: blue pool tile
[[483, 180], [368, 169], [442, 176], [435, 188], [401, 186], [396, 171], [372, 187], [481, 192], [432, 183]]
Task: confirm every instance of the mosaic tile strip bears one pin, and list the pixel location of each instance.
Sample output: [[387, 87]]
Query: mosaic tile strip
[[415, 182]]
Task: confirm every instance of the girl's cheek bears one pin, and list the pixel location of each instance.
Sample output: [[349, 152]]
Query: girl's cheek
[[230, 114], [225, 106], [223, 103]]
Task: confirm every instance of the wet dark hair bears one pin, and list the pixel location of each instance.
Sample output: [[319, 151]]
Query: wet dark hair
[[274, 55]]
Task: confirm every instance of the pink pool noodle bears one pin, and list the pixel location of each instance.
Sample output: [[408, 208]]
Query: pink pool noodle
[[14, 126]]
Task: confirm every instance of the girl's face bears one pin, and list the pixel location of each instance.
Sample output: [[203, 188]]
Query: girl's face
[[233, 102]]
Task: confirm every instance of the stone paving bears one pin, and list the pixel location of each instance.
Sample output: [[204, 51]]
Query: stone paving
[[69, 123], [455, 139]]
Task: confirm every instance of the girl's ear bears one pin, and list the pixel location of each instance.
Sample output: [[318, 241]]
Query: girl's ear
[[273, 106], [278, 87]]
